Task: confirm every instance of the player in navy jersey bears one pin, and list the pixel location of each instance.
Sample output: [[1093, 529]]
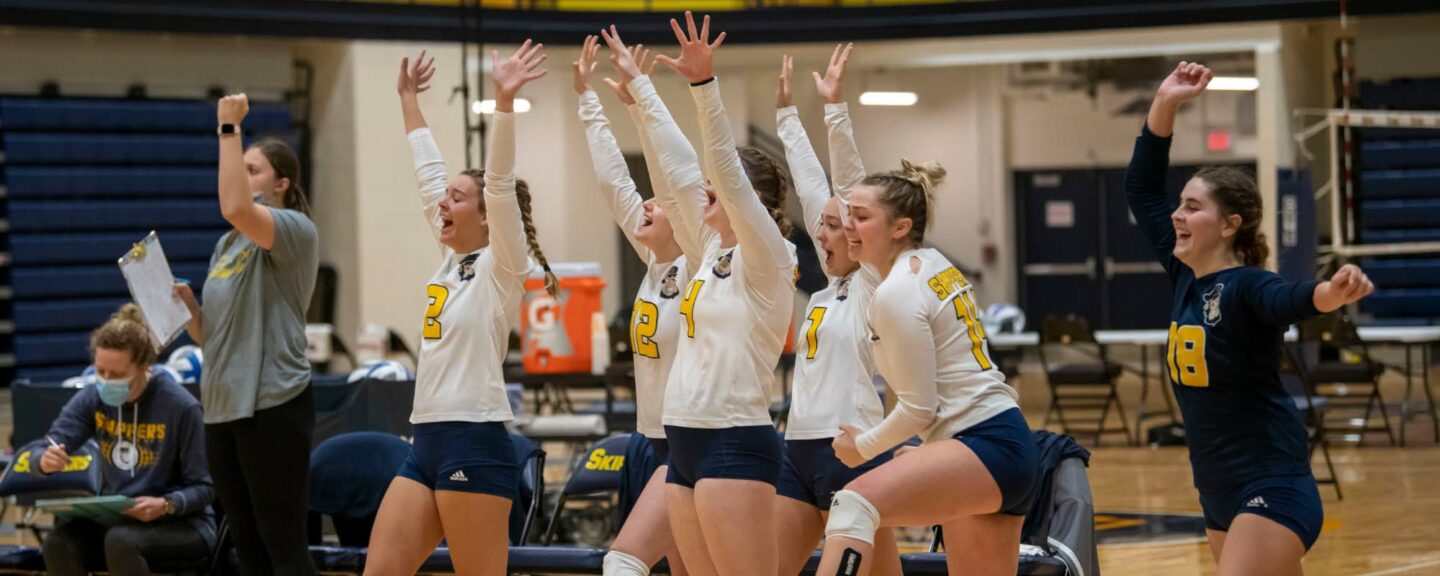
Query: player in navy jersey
[[1228, 317]]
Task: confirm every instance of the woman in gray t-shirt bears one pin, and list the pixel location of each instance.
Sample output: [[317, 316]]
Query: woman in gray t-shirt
[[255, 390]]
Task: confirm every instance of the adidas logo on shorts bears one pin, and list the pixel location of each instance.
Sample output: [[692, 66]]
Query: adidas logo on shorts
[[1257, 502], [459, 476]]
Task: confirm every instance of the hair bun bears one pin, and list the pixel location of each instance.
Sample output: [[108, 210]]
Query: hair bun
[[925, 174], [130, 312]]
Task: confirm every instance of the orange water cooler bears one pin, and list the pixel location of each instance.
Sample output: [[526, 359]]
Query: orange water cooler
[[555, 332]]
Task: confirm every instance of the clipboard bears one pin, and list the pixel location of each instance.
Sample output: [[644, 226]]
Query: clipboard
[[152, 287], [87, 506]]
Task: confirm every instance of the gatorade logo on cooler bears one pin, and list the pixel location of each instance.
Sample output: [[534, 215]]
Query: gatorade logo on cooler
[[543, 315]]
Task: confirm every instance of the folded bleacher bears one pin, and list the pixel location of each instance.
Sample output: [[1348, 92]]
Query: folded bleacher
[[1397, 196], [81, 179]]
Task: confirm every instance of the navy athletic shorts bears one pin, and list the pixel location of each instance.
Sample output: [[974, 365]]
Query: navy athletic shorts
[[475, 457]]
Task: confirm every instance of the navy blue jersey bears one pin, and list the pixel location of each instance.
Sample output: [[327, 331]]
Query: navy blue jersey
[[1223, 357]]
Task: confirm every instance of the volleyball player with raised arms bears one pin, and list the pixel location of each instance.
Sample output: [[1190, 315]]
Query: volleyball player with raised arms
[[462, 473], [1248, 444], [725, 454], [833, 382], [655, 323], [978, 464]]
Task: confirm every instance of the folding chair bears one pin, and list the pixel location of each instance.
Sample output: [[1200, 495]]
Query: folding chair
[[1297, 383], [1353, 387], [598, 474], [1082, 378]]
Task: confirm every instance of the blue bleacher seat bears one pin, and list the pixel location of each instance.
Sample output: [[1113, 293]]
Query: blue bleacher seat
[[47, 316], [86, 149], [1372, 236], [51, 216], [1399, 213], [56, 348], [50, 373], [96, 280], [1402, 272], [1403, 302], [1395, 154], [71, 249], [114, 115], [26, 182], [1399, 184], [1401, 94]]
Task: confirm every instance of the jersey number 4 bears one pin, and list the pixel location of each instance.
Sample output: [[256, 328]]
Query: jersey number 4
[[437, 295], [642, 329], [1186, 356]]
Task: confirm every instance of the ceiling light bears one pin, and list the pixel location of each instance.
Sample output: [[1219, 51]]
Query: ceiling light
[[1234, 83], [889, 99]]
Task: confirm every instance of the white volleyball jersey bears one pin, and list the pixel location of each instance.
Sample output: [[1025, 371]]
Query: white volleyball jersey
[[731, 336], [931, 349], [833, 382], [655, 321], [473, 299], [655, 340], [833, 365]]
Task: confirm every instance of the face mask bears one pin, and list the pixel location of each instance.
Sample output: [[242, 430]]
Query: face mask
[[259, 198], [113, 392]]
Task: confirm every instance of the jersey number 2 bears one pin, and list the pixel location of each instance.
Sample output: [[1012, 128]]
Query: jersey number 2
[[1186, 356], [642, 329], [438, 295]]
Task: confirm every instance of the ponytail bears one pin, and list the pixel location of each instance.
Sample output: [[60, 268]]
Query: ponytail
[[522, 196], [1236, 193]]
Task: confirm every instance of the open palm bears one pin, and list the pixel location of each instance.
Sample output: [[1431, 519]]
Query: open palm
[[697, 52], [513, 73], [832, 86]]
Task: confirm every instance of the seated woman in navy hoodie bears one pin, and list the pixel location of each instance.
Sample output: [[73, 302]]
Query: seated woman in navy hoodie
[[152, 443]]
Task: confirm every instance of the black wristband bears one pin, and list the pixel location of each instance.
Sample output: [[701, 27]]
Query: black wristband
[[702, 82]]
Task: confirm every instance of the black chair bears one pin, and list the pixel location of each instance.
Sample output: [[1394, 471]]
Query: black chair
[[532, 488], [1350, 388], [1082, 379], [1295, 379], [598, 473]]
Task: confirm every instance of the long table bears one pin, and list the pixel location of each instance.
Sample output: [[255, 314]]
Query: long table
[[1409, 338]]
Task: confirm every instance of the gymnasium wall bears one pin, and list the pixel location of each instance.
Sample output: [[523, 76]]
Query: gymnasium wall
[[967, 119]]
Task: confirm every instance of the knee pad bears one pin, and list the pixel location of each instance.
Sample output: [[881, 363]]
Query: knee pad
[[852, 516], [622, 564]]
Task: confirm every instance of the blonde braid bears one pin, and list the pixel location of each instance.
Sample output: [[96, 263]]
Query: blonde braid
[[522, 197]]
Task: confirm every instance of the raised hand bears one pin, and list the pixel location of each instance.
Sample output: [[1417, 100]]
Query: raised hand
[[697, 52], [641, 56], [232, 109], [831, 86], [415, 77], [511, 74], [585, 66], [1185, 83], [783, 98], [622, 59]]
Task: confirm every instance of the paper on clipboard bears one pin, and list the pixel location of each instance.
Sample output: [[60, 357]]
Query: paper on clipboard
[[152, 286]]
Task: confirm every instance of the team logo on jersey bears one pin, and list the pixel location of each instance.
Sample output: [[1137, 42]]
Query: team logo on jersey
[[467, 267], [843, 290], [670, 285], [722, 267], [1212, 305]]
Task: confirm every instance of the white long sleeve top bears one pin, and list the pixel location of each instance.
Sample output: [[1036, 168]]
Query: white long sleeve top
[[931, 348], [473, 299]]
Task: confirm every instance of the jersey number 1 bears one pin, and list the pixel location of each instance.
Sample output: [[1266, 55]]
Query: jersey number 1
[[1186, 356], [965, 311], [812, 336]]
